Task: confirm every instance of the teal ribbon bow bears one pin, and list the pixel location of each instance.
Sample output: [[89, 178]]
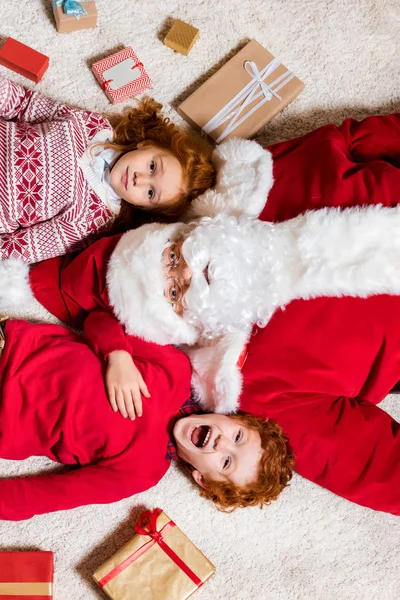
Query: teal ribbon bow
[[71, 7]]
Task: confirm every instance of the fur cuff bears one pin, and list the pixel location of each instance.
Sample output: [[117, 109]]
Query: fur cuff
[[244, 179], [14, 284], [216, 378]]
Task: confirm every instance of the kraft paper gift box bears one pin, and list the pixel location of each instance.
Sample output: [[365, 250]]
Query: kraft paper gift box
[[72, 15], [242, 96], [159, 563], [121, 75], [26, 575], [181, 37]]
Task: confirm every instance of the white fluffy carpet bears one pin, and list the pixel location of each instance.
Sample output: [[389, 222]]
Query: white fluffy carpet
[[309, 545]]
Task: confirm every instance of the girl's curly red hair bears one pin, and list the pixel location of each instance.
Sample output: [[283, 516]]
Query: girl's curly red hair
[[145, 123], [275, 470]]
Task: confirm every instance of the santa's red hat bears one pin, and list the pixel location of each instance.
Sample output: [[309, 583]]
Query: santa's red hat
[[136, 284]]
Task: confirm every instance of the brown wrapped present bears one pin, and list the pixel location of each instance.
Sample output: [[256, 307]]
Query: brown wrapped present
[[181, 37], [247, 92], [73, 15], [159, 563]]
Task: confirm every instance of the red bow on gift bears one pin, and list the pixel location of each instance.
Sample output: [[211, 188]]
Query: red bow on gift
[[105, 83], [147, 524]]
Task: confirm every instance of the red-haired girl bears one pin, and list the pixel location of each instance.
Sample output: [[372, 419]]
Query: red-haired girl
[[67, 173]]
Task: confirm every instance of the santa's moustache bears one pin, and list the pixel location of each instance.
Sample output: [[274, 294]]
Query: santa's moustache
[[255, 267], [234, 252]]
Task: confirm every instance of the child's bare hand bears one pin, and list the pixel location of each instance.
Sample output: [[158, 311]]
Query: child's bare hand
[[125, 385]]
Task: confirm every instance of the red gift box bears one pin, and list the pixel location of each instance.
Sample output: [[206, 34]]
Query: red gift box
[[23, 60], [26, 575], [121, 75]]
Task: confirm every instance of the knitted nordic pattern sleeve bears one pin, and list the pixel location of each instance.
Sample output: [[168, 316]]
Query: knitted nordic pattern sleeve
[[20, 104], [47, 206], [67, 232], [13, 99]]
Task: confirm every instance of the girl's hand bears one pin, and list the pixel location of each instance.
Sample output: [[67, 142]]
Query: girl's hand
[[125, 385]]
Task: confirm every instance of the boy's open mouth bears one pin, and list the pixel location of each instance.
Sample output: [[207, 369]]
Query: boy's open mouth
[[200, 436]]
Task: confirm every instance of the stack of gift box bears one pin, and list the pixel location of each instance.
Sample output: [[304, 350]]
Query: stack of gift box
[[239, 99], [159, 562]]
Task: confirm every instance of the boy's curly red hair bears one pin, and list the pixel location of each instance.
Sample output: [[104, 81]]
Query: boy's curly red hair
[[145, 123], [275, 470]]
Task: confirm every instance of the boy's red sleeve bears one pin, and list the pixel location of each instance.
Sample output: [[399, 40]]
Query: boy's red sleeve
[[24, 497]]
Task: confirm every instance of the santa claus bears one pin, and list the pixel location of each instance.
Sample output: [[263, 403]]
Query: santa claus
[[205, 284]]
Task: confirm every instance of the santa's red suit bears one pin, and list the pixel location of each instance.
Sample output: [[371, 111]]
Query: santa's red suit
[[297, 370], [54, 404], [320, 366], [351, 165]]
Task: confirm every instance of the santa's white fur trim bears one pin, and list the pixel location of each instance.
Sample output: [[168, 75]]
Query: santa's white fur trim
[[216, 378], [244, 179], [333, 252], [136, 282], [14, 284]]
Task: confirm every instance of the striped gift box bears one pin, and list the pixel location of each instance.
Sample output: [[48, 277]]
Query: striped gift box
[[121, 75], [26, 575]]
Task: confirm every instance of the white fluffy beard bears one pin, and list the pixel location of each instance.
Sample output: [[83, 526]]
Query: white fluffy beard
[[238, 255]]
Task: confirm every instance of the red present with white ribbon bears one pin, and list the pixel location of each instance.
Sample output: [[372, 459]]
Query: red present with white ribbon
[[121, 75], [26, 575], [159, 562]]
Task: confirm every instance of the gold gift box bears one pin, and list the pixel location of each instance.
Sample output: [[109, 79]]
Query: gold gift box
[[241, 75], [161, 565], [67, 23], [181, 37]]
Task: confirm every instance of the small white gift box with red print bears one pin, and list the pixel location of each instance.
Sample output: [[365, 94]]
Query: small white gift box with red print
[[121, 75]]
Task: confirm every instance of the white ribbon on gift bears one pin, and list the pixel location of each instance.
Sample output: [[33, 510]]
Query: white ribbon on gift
[[250, 93]]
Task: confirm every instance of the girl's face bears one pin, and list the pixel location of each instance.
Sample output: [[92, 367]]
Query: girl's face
[[149, 177]]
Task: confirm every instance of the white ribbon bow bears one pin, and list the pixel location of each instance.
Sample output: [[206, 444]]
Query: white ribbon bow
[[233, 109]]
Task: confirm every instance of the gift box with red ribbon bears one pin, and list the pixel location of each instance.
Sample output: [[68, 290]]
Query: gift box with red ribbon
[[26, 575], [121, 75], [159, 562]]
